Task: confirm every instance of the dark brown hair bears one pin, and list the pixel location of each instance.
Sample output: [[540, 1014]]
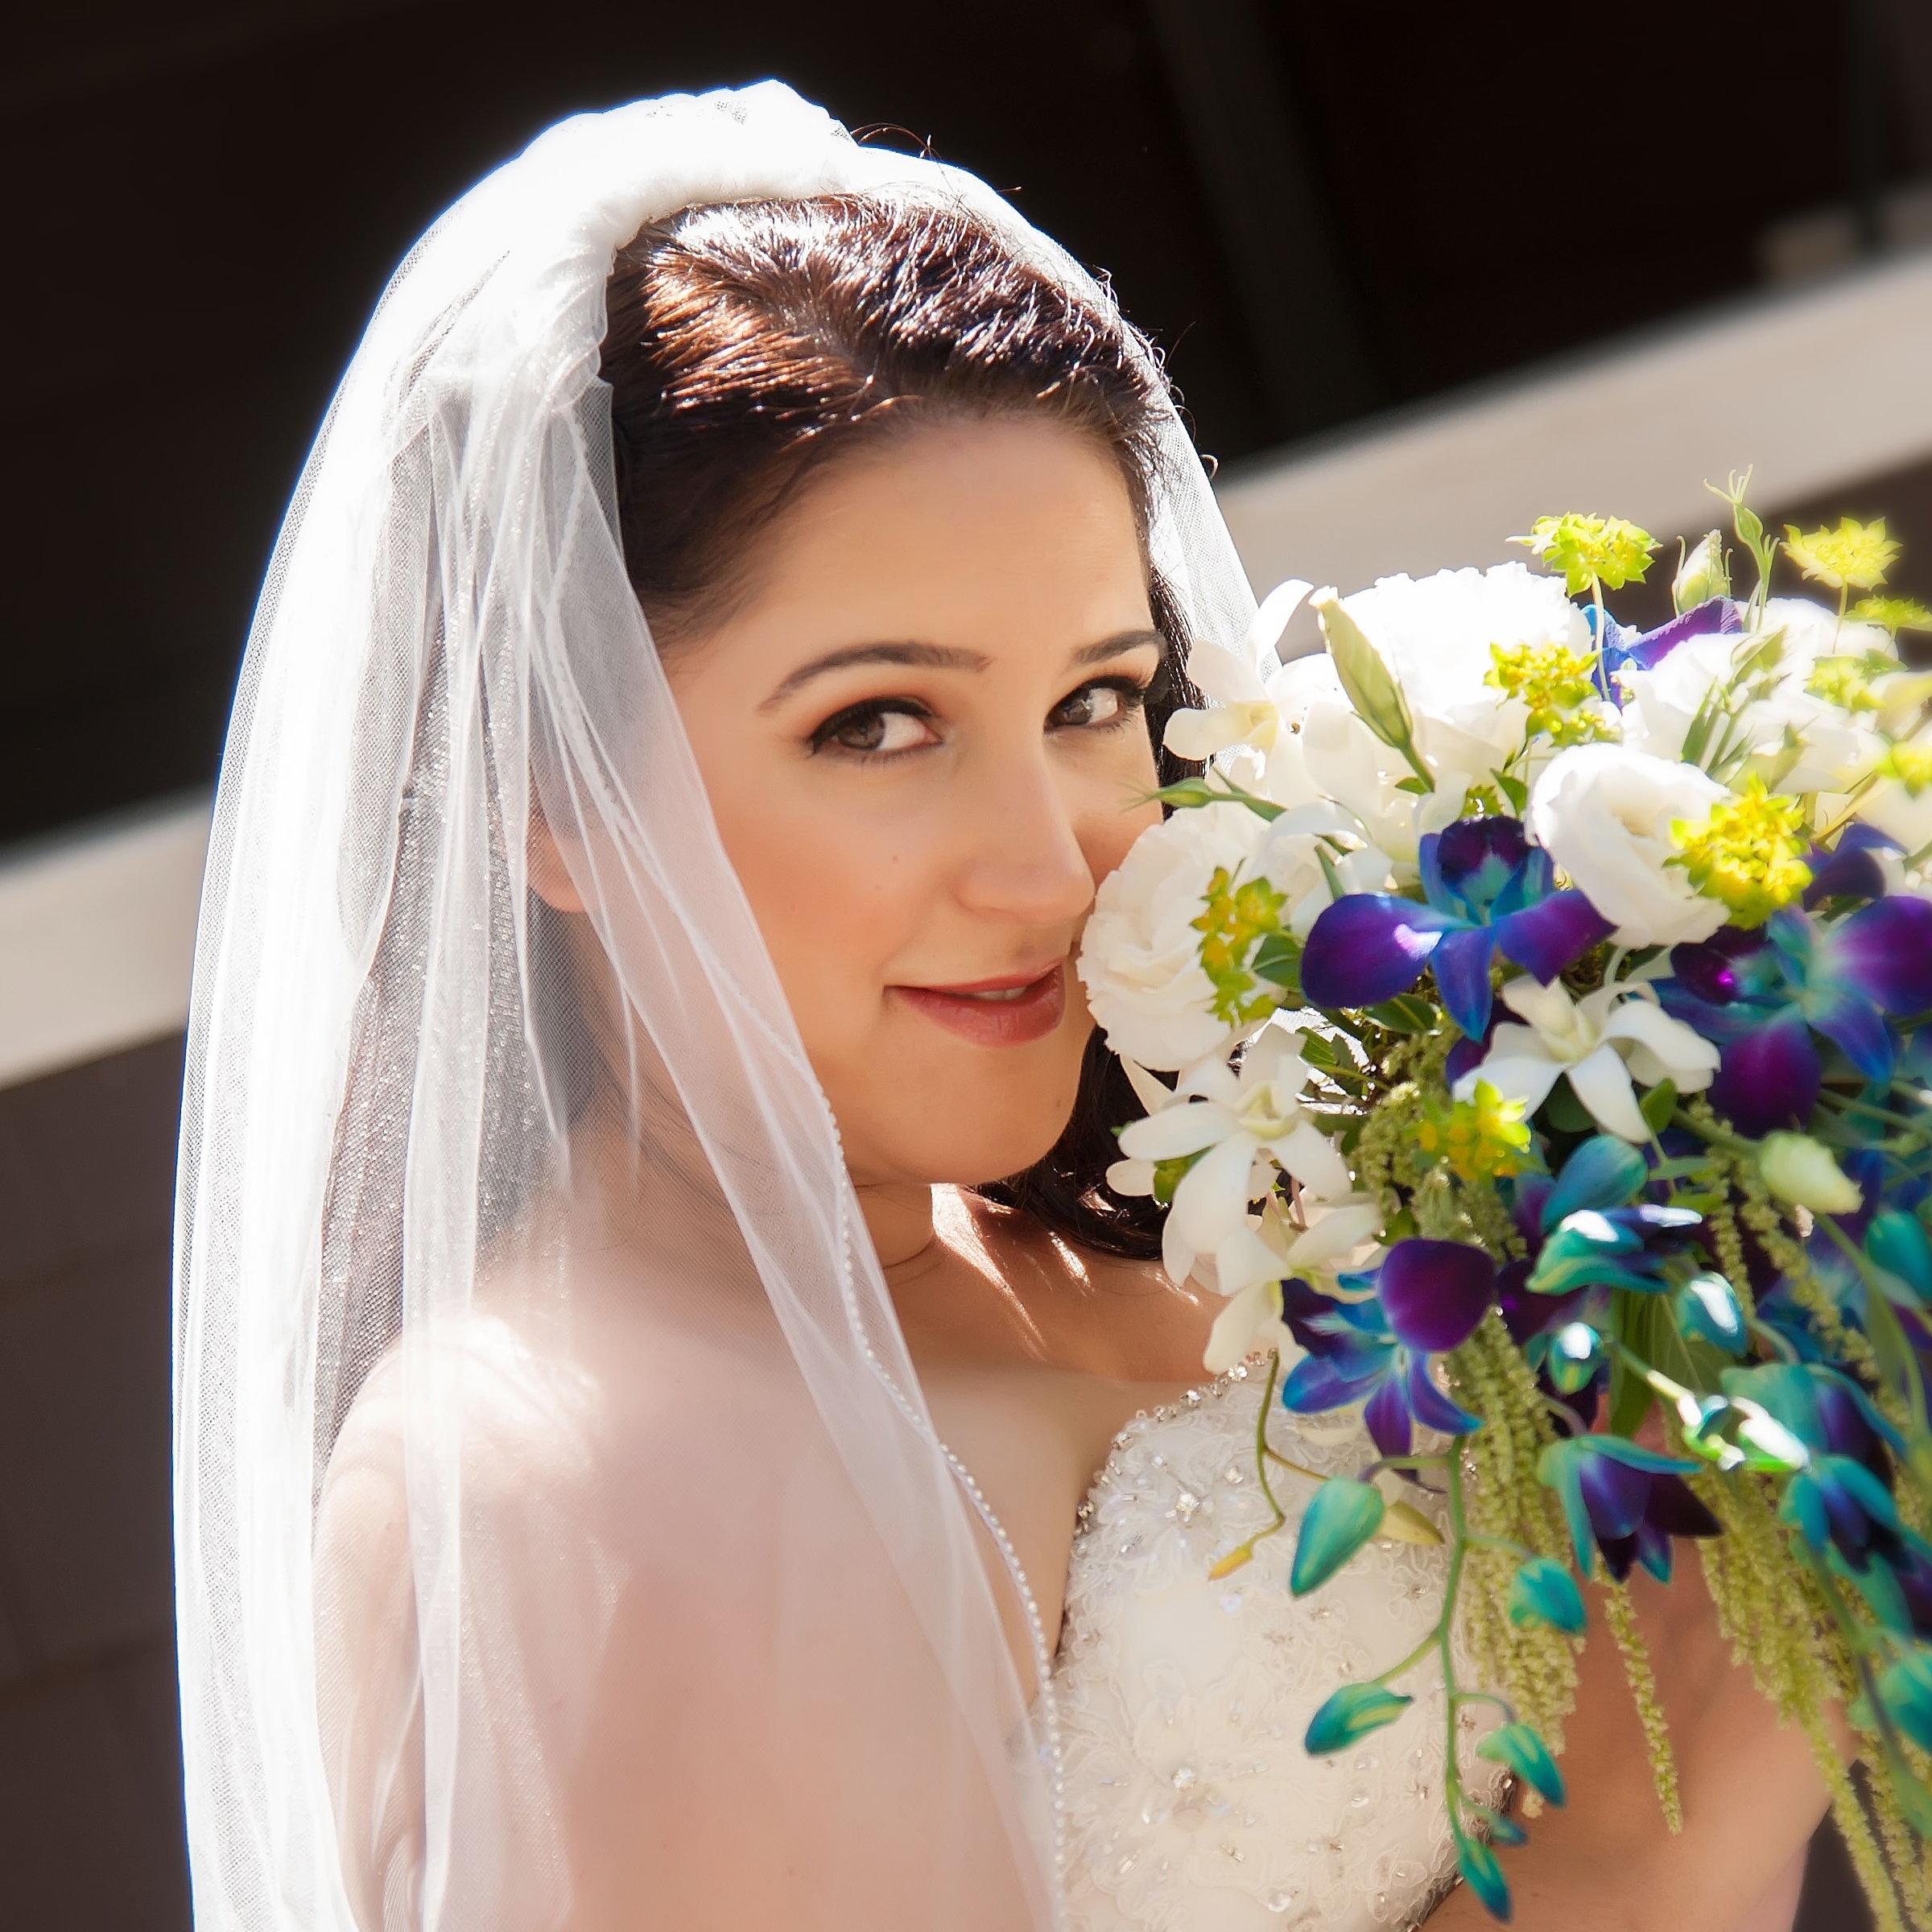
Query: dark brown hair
[[749, 345]]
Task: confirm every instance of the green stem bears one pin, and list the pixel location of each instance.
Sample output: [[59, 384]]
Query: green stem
[[1261, 1450], [1846, 1104], [1445, 1625], [1730, 1142]]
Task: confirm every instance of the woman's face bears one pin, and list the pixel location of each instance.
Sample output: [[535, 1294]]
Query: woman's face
[[923, 740]]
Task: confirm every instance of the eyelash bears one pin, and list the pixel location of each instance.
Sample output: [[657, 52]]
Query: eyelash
[[1133, 693]]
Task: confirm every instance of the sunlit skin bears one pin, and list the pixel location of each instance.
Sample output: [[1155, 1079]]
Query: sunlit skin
[[930, 811]]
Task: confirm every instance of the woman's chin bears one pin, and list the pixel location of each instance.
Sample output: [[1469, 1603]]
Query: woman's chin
[[938, 1152]]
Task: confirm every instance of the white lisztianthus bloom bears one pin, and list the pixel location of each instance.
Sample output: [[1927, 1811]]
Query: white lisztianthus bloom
[[1252, 1318], [1601, 1041], [1775, 723], [1140, 955], [1241, 1126], [1603, 813], [1436, 633]]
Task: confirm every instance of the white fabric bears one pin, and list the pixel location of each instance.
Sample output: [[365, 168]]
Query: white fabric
[[1192, 1807], [560, 1542]]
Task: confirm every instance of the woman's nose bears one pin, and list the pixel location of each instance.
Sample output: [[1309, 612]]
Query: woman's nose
[[1023, 856]]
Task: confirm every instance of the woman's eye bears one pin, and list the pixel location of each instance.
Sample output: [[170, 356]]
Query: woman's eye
[[1096, 706], [874, 731]]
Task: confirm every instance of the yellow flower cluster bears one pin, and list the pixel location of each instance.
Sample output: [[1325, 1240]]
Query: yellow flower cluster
[[1911, 765], [1481, 1139], [1593, 552], [1749, 853], [1235, 918], [1845, 682], [1555, 683], [1895, 614], [1855, 556]]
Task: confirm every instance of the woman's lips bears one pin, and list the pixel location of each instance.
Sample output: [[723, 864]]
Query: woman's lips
[[996, 1012]]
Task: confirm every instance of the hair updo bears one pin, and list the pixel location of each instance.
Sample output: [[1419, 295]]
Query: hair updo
[[750, 345]]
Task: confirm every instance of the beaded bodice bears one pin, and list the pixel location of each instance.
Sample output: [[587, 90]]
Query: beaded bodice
[[1190, 1806]]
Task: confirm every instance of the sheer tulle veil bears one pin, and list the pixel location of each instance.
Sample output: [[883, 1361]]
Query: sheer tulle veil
[[559, 1518]]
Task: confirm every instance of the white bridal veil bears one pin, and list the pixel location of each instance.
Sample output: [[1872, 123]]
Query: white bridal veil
[[562, 1537]]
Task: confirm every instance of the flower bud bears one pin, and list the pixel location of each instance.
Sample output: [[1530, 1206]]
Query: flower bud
[[1701, 575], [1805, 1172]]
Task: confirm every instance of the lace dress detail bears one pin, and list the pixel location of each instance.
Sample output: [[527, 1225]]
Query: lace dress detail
[[1190, 1806]]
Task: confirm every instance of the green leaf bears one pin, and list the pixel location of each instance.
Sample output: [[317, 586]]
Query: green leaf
[[1543, 1592], [1404, 1013], [1349, 1713], [1342, 1515], [1514, 790], [1524, 1752], [1483, 1873], [1278, 960], [1375, 695], [1566, 1113], [1658, 1105]]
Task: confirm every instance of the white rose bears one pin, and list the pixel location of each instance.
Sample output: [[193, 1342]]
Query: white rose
[[1603, 813], [1140, 957], [1435, 635]]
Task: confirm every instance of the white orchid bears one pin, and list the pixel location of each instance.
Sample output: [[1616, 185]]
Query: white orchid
[[1252, 1274], [1241, 1127], [1254, 699], [1600, 1041]]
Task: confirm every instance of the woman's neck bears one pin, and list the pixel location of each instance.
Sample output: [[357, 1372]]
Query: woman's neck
[[899, 1215]]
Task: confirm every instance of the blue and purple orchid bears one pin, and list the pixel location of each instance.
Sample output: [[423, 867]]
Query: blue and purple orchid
[[1424, 1302], [1760, 995], [1488, 890]]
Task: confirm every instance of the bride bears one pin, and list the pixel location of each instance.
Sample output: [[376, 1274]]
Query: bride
[[673, 1430]]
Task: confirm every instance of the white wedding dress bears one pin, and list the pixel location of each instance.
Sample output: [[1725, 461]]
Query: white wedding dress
[[1190, 1805]]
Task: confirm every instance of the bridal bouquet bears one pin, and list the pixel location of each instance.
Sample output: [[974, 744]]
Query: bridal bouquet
[[1542, 1002]]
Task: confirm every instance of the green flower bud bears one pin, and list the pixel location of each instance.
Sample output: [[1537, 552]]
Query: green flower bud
[[1806, 1173], [1701, 575]]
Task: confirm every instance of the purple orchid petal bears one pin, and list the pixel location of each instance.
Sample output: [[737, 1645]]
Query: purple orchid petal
[[1314, 1386], [1674, 1508], [1716, 616], [1620, 1552], [1614, 1494], [1430, 1407], [1768, 1077], [1475, 858], [1882, 951], [1434, 1294], [1854, 1023], [1386, 1418], [1850, 871], [1532, 882], [1548, 937], [1369, 946], [1912, 1570], [1466, 1055], [1462, 976], [1714, 969]]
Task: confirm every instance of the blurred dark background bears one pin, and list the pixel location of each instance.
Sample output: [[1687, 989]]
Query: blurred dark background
[[1321, 212]]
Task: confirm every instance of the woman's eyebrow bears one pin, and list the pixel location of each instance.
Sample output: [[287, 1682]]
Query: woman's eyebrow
[[1118, 645], [945, 657], [927, 657]]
